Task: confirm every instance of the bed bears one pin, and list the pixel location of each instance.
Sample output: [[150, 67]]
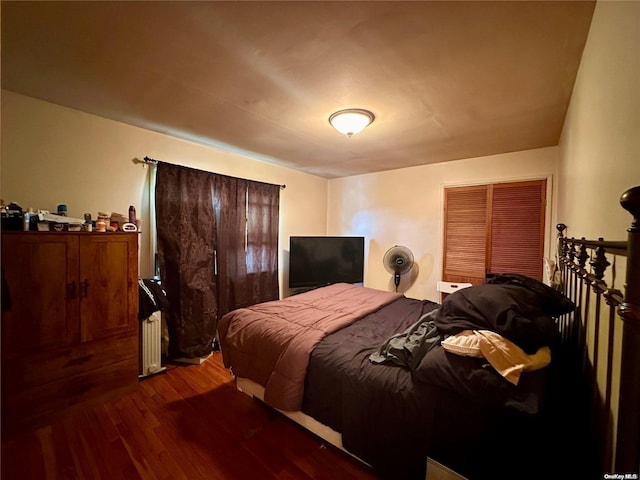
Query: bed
[[499, 380]]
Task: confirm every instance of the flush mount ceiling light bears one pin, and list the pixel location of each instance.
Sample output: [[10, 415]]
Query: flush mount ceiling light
[[351, 120]]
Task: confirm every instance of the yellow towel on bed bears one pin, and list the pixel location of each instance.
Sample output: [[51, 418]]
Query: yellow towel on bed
[[506, 357]]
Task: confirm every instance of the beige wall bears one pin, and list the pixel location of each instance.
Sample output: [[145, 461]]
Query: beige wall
[[600, 144], [53, 155], [599, 152], [405, 207]]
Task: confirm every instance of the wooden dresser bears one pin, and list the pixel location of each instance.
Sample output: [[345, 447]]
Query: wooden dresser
[[69, 323]]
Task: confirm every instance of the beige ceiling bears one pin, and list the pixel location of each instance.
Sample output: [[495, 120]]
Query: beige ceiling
[[445, 80]]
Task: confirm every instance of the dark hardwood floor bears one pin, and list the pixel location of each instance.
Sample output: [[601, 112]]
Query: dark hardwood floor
[[187, 423]]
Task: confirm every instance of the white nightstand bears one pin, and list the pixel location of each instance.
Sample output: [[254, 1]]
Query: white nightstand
[[445, 288]]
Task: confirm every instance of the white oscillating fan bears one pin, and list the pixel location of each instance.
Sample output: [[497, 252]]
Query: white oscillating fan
[[398, 260]]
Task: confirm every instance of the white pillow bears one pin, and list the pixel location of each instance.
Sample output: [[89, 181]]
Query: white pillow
[[465, 343]]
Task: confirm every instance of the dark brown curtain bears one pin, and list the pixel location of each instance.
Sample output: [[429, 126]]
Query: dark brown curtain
[[209, 228], [246, 242], [230, 206], [263, 205]]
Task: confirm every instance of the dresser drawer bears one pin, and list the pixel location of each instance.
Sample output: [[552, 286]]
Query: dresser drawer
[[26, 371]]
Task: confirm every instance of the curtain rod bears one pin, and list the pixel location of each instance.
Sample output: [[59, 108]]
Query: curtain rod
[[153, 161]]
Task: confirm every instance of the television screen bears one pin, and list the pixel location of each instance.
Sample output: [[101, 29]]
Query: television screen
[[319, 261]]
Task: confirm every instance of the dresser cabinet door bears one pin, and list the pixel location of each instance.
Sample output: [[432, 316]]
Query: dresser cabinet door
[[41, 273], [108, 285]]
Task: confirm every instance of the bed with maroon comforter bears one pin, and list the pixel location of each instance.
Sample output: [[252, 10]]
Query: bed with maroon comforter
[[402, 379]]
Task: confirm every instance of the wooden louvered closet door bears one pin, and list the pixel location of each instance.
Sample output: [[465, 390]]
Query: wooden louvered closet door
[[517, 228], [495, 228], [465, 234]]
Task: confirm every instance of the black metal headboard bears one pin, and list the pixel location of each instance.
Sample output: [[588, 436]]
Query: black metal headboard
[[603, 315]]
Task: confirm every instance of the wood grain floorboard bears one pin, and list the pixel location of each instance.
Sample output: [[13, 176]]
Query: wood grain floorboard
[[188, 423]]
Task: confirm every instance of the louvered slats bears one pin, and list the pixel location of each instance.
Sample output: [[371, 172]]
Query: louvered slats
[[517, 228], [465, 233], [496, 228]]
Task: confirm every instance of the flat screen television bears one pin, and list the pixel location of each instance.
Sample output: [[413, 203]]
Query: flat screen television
[[319, 261]]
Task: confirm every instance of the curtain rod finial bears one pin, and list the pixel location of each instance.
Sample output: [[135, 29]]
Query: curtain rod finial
[[145, 161]]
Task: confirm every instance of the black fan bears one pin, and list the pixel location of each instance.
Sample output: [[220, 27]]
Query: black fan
[[398, 260]]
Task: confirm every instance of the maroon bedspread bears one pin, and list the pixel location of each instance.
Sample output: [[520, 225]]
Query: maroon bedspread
[[270, 343]]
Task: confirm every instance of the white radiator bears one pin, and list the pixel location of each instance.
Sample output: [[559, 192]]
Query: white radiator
[[151, 348]]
